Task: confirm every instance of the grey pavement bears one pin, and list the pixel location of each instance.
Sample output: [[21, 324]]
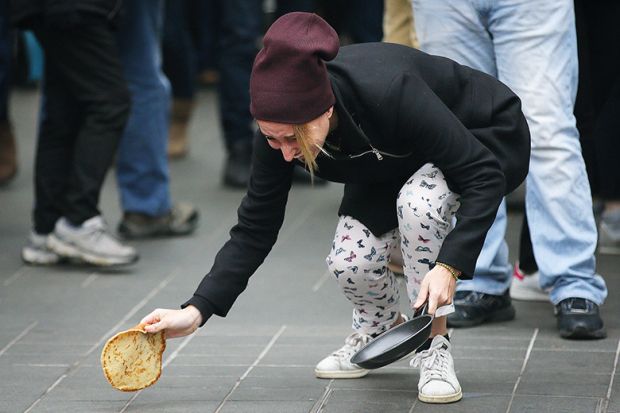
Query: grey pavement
[[54, 321]]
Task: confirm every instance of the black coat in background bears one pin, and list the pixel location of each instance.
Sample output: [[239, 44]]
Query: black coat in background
[[397, 108]]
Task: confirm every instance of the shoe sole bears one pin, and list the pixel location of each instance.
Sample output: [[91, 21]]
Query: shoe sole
[[583, 334], [186, 229], [505, 314], [451, 398], [66, 249], [30, 259], [354, 374]]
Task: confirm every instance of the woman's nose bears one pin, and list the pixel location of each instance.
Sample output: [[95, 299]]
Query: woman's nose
[[288, 152]]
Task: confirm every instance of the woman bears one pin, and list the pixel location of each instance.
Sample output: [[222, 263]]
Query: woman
[[417, 140]]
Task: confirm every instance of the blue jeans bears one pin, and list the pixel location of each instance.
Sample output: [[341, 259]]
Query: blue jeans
[[530, 46], [142, 163]]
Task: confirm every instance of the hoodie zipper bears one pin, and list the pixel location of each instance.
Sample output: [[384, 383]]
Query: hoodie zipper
[[379, 154]]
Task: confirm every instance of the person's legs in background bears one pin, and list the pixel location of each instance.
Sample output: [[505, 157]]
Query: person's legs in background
[[142, 163], [460, 34], [179, 65], [598, 101], [239, 32], [59, 124], [398, 26], [558, 199], [8, 152], [365, 21], [84, 61]]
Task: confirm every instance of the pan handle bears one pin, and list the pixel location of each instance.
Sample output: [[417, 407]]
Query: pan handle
[[440, 312], [421, 310]]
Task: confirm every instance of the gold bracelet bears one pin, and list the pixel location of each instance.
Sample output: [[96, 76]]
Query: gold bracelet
[[455, 273]]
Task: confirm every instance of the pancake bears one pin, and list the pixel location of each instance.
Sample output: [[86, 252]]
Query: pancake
[[132, 359]]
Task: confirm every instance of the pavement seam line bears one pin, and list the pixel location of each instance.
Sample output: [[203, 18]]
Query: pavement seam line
[[415, 403], [244, 375], [49, 389], [131, 313], [19, 337], [21, 271], [318, 406], [320, 282], [171, 357], [611, 381], [527, 357], [89, 280]]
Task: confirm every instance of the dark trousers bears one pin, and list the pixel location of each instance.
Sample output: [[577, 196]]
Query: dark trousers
[[83, 113], [6, 41], [240, 28], [179, 44], [598, 98]]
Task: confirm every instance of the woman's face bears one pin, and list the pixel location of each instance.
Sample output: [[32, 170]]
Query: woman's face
[[281, 136]]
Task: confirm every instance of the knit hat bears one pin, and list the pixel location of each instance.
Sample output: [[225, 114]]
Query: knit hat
[[289, 82]]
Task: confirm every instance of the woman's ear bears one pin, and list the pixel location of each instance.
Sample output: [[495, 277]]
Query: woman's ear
[[330, 112]]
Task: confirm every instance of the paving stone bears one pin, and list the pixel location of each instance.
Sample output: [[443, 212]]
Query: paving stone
[[351, 400], [259, 406], [560, 362], [171, 406], [471, 402], [536, 404], [564, 384]]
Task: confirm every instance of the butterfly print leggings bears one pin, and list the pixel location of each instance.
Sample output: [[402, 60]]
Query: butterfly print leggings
[[358, 259]]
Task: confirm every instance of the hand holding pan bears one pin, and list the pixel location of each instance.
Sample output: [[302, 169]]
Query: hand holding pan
[[399, 341]]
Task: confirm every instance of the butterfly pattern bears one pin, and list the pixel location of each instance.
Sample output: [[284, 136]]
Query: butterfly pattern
[[358, 259]]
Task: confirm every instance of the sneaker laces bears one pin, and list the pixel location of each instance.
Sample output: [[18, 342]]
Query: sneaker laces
[[352, 344], [98, 231], [433, 363]]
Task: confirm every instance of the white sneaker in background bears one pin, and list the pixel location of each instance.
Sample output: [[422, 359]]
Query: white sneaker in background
[[37, 253], [90, 242], [438, 382], [608, 237], [526, 287], [338, 365]]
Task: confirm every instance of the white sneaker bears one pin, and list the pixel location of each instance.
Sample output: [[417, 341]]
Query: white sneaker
[[90, 242], [338, 365], [526, 287], [37, 253], [438, 382], [608, 238]]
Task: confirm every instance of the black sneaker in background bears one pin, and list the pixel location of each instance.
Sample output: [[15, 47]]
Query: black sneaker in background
[[579, 319], [473, 308], [237, 167], [182, 219]]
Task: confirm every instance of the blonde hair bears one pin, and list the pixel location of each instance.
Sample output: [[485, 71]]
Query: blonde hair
[[305, 142]]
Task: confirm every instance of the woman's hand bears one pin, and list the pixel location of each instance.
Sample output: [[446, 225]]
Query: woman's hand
[[438, 288], [176, 323]]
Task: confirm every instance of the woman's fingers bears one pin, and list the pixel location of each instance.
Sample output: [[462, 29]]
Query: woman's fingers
[[152, 318], [421, 295], [156, 321]]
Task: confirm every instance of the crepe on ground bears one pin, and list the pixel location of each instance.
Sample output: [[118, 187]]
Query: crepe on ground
[[132, 359]]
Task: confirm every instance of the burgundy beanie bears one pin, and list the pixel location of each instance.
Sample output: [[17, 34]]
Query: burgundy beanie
[[289, 82]]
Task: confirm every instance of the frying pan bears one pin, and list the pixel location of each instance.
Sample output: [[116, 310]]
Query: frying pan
[[399, 341]]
